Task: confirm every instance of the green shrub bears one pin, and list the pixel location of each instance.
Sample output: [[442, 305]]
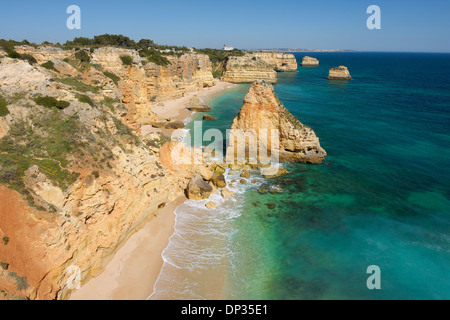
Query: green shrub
[[21, 282], [77, 84], [3, 108], [4, 265], [50, 102], [96, 174], [112, 76], [83, 56], [28, 57], [126, 60], [49, 65], [154, 56], [5, 240], [85, 99], [109, 102]]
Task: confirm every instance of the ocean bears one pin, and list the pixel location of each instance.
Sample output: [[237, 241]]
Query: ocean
[[381, 197]]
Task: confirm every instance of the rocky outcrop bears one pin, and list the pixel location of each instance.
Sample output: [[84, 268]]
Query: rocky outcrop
[[309, 62], [196, 104], [45, 53], [86, 185], [262, 110], [144, 83], [209, 117], [198, 189], [280, 62], [339, 73], [247, 70]]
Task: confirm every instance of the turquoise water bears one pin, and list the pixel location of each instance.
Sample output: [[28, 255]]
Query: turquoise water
[[380, 198]]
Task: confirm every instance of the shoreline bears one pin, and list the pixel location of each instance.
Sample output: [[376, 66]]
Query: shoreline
[[134, 269]]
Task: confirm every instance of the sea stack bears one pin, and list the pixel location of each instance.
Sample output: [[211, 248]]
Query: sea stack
[[339, 73], [309, 62], [263, 111]]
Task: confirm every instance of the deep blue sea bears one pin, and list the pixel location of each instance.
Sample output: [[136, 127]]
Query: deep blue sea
[[381, 197]]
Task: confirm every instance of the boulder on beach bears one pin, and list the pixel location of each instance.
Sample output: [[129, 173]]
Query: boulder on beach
[[218, 179], [198, 189], [196, 104]]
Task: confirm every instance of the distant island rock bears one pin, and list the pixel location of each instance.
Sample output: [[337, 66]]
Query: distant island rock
[[339, 73], [309, 62]]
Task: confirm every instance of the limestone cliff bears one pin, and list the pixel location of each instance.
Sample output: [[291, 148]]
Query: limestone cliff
[[263, 110], [280, 62], [339, 73], [75, 180], [247, 70], [144, 84], [309, 61]]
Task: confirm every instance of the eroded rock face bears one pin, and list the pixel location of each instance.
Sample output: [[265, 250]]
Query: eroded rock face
[[83, 224], [248, 70], [262, 112], [339, 73], [281, 62], [309, 62], [198, 189], [45, 53]]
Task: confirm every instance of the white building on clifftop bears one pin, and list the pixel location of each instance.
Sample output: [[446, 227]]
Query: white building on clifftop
[[226, 48]]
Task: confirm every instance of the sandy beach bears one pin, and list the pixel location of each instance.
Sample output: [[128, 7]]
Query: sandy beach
[[133, 271]]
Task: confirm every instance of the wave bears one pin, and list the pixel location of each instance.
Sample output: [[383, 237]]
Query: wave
[[199, 253]]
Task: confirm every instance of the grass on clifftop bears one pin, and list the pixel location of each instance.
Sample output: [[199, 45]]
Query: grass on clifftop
[[47, 144]]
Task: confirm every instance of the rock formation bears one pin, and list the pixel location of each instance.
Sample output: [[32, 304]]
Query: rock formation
[[145, 83], [339, 73], [198, 189], [309, 61], [196, 104], [76, 182], [247, 70], [263, 110], [79, 181], [280, 62]]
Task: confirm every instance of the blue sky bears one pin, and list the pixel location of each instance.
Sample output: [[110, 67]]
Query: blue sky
[[407, 25]]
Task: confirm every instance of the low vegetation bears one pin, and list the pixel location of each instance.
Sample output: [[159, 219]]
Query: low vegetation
[[126, 60], [4, 111], [77, 84], [49, 65], [50, 102], [83, 56], [21, 282], [86, 99], [9, 47], [218, 59], [112, 76]]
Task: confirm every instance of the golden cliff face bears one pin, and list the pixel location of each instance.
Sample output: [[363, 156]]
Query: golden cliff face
[[49, 227], [247, 70], [144, 84], [263, 110], [45, 53], [280, 62]]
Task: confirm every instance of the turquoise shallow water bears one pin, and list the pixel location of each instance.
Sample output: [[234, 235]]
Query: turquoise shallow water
[[382, 197]]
